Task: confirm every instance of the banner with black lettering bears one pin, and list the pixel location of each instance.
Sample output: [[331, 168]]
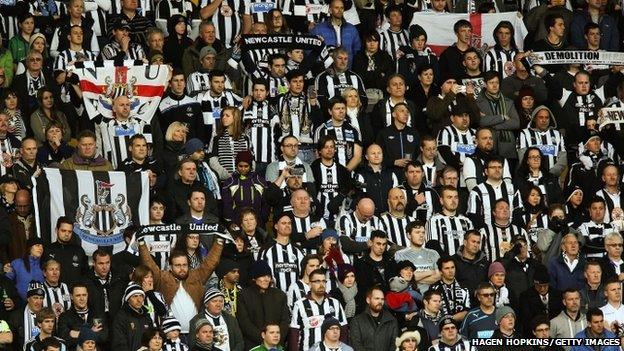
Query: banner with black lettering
[[103, 81], [610, 115], [576, 57], [266, 41], [101, 204]]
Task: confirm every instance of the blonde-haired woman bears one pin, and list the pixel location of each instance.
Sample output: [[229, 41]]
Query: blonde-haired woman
[[175, 138], [228, 142], [358, 117]]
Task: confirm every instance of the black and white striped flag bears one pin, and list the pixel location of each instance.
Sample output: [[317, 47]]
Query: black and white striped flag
[[102, 204]]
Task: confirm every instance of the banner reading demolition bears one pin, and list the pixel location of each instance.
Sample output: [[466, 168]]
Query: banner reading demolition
[[576, 57]]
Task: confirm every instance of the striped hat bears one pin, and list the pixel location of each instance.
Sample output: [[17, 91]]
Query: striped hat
[[131, 290], [211, 294], [170, 324]]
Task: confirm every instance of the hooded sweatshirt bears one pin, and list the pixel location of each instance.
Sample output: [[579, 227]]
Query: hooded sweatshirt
[[550, 142]]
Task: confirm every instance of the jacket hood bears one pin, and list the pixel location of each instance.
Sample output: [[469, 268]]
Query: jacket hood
[[508, 25], [553, 122]]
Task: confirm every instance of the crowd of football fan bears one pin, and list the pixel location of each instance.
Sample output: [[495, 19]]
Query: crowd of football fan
[[379, 196]]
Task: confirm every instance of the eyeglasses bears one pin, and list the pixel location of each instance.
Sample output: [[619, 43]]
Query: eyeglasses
[[292, 146], [488, 295]]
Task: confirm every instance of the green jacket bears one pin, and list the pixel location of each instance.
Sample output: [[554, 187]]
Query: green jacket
[[264, 348], [18, 47], [6, 62]]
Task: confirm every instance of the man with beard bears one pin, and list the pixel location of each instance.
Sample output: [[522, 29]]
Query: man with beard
[[374, 329], [395, 220], [448, 227], [182, 288]]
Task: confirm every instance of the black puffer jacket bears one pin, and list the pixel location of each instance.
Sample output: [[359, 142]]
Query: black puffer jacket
[[128, 328]]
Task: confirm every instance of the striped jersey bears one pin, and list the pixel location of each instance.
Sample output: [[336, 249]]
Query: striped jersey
[[174, 345], [296, 291], [345, 135], [113, 137], [285, 261], [500, 60], [395, 228], [227, 20], [259, 9], [448, 231], [391, 41], [57, 297], [308, 316], [493, 235], [594, 234], [483, 197], [308, 10], [349, 225], [327, 180], [9, 144], [302, 225], [111, 50], [457, 143], [550, 142], [212, 107], [261, 125], [329, 84], [199, 82]]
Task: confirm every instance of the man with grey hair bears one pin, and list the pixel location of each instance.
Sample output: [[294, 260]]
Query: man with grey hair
[[337, 78], [612, 264], [566, 269]]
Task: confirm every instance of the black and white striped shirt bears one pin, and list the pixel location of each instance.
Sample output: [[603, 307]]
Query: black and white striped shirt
[[261, 126], [349, 225], [395, 228], [57, 296], [227, 20], [228, 148], [497, 59], [199, 82], [460, 144], [455, 299], [139, 24], [308, 316], [308, 10], [594, 234], [448, 231], [285, 261], [212, 107], [391, 41], [296, 292], [493, 235], [161, 257], [113, 137], [328, 185], [135, 51], [68, 55], [10, 145], [483, 197], [301, 225], [259, 9], [168, 8], [174, 345], [550, 142], [329, 84], [346, 138]]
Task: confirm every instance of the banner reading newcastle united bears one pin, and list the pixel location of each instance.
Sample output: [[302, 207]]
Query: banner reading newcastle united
[[299, 41], [102, 204], [576, 57], [610, 115], [103, 81]]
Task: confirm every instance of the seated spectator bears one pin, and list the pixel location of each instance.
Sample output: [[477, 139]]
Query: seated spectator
[[417, 58], [85, 156], [171, 327], [596, 328], [562, 277], [480, 322], [243, 180], [46, 323], [373, 64], [47, 113], [11, 108], [26, 269], [23, 320], [533, 171], [122, 46], [330, 332], [226, 330], [54, 150], [592, 295], [154, 300]]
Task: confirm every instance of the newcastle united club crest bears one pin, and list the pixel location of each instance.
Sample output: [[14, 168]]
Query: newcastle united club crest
[[102, 220]]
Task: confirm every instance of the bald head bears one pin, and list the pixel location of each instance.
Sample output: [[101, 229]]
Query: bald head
[[121, 107], [396, 201], [22, 202], [365, 209]]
